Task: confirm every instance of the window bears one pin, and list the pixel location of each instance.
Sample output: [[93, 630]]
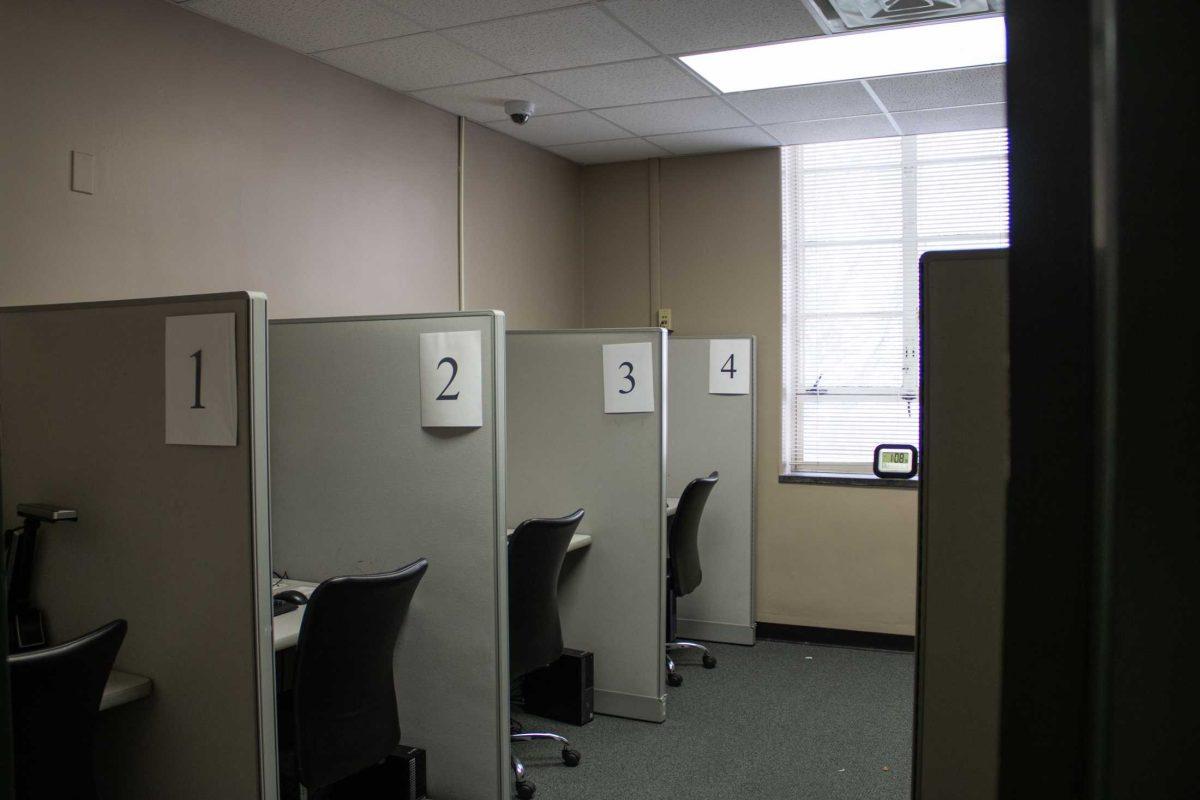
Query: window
[[856, 218]]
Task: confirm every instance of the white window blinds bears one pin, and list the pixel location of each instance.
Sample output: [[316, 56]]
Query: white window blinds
[[856, 218]]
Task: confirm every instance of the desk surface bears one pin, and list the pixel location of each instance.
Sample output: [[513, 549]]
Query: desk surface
[[578, 541], [124, 687], [287, 626], [672, 504]]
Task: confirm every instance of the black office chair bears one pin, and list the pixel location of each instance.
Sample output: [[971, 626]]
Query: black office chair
[[344, 696], [683, 565], [56, 695], [536, 551]]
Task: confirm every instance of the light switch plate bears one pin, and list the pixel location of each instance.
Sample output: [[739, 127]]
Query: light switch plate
[[83, 172], [664, 318]]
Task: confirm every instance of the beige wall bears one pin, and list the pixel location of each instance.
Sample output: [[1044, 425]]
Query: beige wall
[[828, 556], [522, 226], [225, 162]]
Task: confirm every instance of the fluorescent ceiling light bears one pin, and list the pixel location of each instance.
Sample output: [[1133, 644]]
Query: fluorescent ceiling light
[[850, 56]]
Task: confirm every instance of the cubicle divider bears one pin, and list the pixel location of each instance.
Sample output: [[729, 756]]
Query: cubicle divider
[[370, 472], [712, 427], [148, 417], [565, 452]]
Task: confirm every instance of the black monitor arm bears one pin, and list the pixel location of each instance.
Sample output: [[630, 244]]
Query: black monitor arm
[[26, 631]]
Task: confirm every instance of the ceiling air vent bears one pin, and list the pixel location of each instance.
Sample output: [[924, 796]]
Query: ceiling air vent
[[843, 15]]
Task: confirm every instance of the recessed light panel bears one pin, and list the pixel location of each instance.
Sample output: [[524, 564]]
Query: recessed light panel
[[849, 56]]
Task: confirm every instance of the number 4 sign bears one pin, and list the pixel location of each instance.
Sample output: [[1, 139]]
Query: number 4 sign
[[729, 366], [452, 379], [201, 380]]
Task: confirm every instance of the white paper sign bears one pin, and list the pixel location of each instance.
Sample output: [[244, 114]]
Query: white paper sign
[[201, 380], [452, 379], [628, 378], [729, 366]]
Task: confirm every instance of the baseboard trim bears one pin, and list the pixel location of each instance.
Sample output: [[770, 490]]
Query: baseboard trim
[[836, 637], [715, 631], [630, 706]]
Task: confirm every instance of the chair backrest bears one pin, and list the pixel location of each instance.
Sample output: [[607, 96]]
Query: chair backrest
[[536, 551], [344, 690], [683, 537], [55, 699]]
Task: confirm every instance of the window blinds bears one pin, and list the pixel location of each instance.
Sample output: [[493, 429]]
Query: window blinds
[[856, 218]]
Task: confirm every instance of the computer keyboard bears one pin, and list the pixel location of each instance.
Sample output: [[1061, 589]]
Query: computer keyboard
[[281, 606]]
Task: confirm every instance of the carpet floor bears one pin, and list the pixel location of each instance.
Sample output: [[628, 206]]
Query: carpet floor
[[777, 721]]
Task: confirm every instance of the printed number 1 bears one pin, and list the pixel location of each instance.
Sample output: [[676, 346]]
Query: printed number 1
[[728, 366], [199, 356], [627, 376]]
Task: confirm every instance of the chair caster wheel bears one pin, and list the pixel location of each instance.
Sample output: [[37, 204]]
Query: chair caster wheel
[[525, 789], [570, 757], [674, 679], [709, 662]]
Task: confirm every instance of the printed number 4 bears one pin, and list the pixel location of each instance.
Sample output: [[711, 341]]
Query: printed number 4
[[628, 376], [453, 374], [728, 366], [199, 356]]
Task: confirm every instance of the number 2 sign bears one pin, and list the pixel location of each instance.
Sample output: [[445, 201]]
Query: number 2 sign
[[201, 380], [628, 378], [729, 366], [452, 379]]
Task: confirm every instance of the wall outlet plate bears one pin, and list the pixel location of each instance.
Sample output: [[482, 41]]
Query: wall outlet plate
[[664, 318]]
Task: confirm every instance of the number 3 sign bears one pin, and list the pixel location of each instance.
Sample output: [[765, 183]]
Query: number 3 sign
[[729, 366], [201, 380], [452, 379], [628, 378]]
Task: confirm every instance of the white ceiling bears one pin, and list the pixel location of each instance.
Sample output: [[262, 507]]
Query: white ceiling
[[604, 74]]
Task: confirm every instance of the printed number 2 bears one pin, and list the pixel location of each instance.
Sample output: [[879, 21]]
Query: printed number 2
[[199, 356], [453, 374], [627, 376], [728, 366]]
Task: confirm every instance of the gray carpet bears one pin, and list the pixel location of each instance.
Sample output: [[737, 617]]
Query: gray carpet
[[776, 721]]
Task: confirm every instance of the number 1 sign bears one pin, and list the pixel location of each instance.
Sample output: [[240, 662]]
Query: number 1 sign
[[452, 379], [201, 380], [729, 366]]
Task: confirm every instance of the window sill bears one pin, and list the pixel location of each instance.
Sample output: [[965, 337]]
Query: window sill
[[844, 479]]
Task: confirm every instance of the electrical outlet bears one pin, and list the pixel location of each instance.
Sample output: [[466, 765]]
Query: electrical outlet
[[664, 318]]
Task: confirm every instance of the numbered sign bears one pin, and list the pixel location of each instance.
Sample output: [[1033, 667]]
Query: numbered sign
[[729, 366], [452, 379], [628, 378], [201, 380]]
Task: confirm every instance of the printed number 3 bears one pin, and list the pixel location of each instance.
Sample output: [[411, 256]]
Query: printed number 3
[[199, 356], [627, 376], [728, 366], [453, 374]]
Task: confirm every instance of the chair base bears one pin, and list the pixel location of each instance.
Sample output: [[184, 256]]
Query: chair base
[[674, 678], [525, 787]]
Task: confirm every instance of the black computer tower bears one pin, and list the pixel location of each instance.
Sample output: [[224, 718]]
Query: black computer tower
[[401, 776], [564, 690]]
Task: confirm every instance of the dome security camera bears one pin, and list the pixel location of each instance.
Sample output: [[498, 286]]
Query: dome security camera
[[519, 111]]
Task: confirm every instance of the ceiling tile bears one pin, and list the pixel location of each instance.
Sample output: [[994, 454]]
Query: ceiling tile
[[607, 152], [941, 120], [309, 25], [675, 116], [413, 62], [569, 37], [683, 144], [626, 83], [682, 26], [444, 13], [484, 101], [832, 130], [955, 87], [798, 103], [577, 126]]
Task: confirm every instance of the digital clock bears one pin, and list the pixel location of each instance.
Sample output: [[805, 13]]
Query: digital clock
[[895, 461]]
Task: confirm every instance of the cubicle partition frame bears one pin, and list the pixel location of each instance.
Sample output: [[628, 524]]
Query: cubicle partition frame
[[618, 701], [965, 764], [250, 349], [698, 627], [469, 742]]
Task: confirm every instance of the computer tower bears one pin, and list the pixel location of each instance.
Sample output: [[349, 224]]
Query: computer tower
[[564, 690], [400, 776]]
